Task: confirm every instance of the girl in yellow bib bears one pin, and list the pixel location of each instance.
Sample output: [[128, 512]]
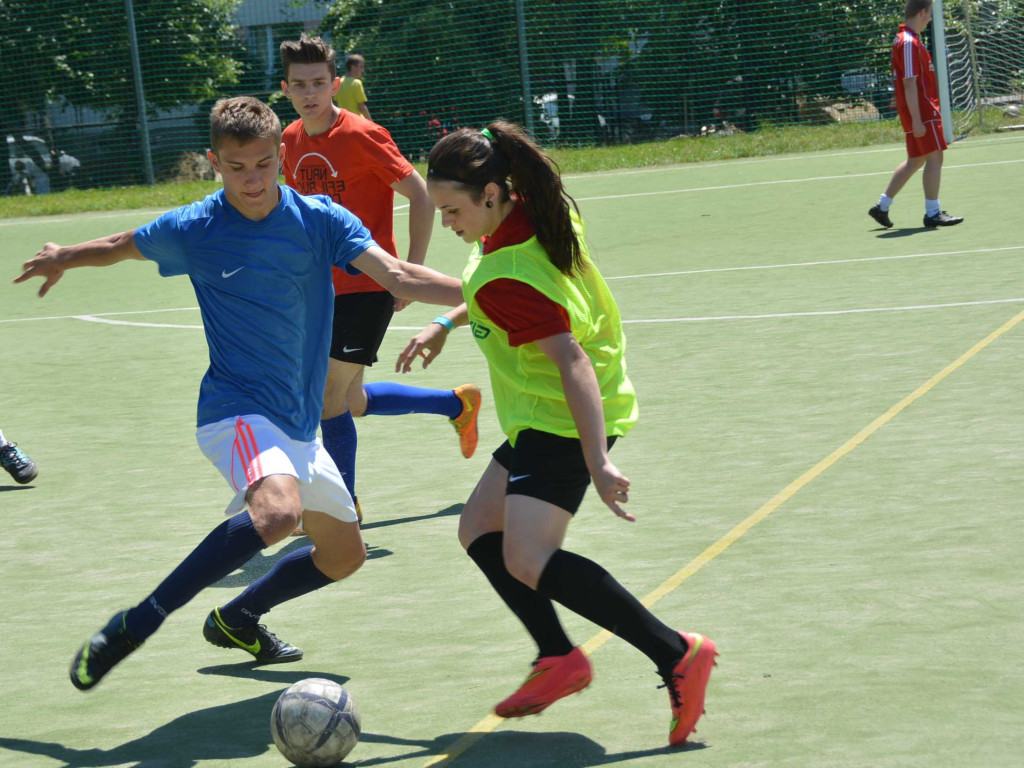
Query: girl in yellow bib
[[550, 330]]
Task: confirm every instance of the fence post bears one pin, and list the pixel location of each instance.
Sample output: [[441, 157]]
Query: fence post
[[975, 79], [942, 70], [140, 95], [524, 66]]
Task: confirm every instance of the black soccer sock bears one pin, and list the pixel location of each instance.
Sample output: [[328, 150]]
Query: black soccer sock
[[226, 548], [293, 575], [584, 587], [534, 610]]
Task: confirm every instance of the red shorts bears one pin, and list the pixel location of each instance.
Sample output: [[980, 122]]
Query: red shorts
[[934, 139]]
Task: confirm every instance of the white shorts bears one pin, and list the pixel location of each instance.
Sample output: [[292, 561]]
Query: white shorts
[[247, 448]]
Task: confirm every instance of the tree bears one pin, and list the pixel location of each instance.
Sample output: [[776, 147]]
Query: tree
[[78, 53]]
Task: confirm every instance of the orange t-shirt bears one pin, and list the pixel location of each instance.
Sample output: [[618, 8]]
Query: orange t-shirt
[[355, 162]]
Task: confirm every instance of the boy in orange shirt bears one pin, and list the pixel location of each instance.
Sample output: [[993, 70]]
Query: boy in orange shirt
[[354, 161]]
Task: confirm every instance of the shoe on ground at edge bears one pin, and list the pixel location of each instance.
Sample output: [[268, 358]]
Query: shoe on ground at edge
[[300, 531], [882, 217], [257, 640], [465, 422], [101, 653], [552, 678], [942, 219], [687, 683], [15, 461]]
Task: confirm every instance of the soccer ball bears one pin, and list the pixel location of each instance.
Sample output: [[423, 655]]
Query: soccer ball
[[315, 723]]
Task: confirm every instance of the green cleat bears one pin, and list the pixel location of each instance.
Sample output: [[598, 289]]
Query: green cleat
[[103, 650], [258, 641]]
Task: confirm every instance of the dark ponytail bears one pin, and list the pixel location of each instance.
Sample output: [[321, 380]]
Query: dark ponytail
[[510, 159]]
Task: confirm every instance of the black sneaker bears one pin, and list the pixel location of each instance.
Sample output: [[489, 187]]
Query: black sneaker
[[882, 217], [942, 219], [103, 650], [21, 467], [257, 640]]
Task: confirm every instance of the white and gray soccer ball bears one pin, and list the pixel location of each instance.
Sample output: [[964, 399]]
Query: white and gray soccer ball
[[315, 723]]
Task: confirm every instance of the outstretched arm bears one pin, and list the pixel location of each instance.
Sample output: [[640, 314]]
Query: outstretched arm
[[50, 262], [583, 394], [409, 281]]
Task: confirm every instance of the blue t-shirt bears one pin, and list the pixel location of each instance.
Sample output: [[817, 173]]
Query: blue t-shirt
[[266, 297]]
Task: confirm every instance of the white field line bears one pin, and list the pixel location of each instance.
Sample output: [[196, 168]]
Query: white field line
[[895, 148], [775, 182], [403, 209], [100, 318], [910, 308], [96, 317], [815, 263]]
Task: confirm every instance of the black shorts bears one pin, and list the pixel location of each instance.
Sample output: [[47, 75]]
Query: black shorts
[[360, 322], [546, 467]]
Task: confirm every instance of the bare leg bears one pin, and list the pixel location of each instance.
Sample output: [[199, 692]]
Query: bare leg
[[904, 171], [932, 175]]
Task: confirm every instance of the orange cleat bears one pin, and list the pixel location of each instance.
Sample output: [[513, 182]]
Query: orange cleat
[[552, 678], [465, 422], [687, 684]]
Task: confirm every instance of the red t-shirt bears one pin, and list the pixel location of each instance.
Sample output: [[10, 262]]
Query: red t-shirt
[[355, 162], [910, 58], [519, 309]]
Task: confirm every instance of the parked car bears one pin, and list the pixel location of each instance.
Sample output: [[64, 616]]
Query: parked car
[[31, 162], [873, 87]]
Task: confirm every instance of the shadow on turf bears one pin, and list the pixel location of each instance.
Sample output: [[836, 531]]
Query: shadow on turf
[[454, 509], [262, 563], [888, 234], [241, 730]]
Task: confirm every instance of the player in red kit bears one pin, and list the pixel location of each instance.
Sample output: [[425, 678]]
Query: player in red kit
[[354, 161], [917, 101]]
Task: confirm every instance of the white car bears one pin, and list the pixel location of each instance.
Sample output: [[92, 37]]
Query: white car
[[26, 173]]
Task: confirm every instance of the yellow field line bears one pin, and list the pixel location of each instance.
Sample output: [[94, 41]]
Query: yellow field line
[[492, 721]]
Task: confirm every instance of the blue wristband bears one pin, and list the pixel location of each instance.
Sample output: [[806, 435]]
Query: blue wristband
[[442, 320]]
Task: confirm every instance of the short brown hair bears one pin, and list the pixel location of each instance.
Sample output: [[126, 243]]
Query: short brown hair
[[353, 58], [308, 50], [914, 7], [243, 119]]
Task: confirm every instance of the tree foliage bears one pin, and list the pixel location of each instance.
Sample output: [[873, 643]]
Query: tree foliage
[[78, 54], [614, 69]]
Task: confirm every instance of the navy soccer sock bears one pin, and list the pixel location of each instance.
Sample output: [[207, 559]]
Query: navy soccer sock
[[340, 440], [584, 587], [534, 610], [293, 575], [387, 399], [226, 548]]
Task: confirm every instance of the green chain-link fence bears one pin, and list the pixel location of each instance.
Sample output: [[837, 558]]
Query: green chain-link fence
[[77, 72]]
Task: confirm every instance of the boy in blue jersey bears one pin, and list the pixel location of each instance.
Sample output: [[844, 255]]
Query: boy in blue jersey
[[259, 256]]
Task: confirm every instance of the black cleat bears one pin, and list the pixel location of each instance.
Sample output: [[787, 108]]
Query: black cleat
[[257, 640], [882, 217], [103, 650], [21, 467], [942, 219]]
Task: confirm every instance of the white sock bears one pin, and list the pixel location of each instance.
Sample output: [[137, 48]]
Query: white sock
[[3, 442], [884, 202], [932, 207]]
